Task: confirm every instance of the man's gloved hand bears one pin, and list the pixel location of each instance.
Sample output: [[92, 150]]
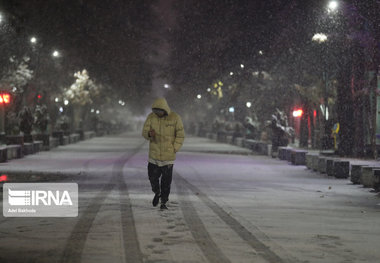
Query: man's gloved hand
[[152, 133]]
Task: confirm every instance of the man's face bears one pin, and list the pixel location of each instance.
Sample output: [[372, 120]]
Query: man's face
[[159, 112]]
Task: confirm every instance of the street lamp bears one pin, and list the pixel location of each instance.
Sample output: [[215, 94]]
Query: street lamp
[[56, 54], [319, 37], [248, 104], [33, 40], [166, 86], [199, 96], [332, 6]]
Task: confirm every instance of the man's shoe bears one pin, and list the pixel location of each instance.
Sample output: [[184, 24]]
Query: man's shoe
[[163, 207], [156, 199]]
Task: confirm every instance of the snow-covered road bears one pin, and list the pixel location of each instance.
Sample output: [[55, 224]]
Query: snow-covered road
[[226, 205]]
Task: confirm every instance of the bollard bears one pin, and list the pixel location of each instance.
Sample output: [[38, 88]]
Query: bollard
[[322, 164], [298, 157], [315, 162], [367, 177], [288, 154], [356, 171], [28, 148], [341, 169], [282, 153], [330, 166], [376, 175], [309, 160], [3, 154]]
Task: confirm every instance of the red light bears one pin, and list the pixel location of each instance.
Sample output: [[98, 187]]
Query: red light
[[39, 96], [5, 98], [297, 113], [3, 178]]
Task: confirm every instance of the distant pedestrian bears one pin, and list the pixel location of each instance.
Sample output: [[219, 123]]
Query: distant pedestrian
[[164, 130]]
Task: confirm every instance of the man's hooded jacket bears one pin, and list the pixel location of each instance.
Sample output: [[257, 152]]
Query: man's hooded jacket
[[169, 132]]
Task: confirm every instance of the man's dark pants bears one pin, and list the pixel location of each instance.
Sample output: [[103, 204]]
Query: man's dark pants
[[154, 173]]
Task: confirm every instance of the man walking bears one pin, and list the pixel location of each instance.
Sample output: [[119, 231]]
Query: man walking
[[164, 130]]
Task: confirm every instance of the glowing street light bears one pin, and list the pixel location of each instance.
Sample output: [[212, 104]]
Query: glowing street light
[[261, 52], [56, 54], [319, 37], [199, 96], [248, 104], [66, 102], [166, 86], [231, 109], [33, 40], [332, 6], [242, 65], [231, 73]]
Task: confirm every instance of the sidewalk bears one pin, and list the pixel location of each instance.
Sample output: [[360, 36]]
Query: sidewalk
[[73, 160], [64, 162], [359, 171], [205, 145]]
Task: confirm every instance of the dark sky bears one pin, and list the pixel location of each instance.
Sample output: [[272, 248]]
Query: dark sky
[[115, 39], [104, 36], [109, 38]]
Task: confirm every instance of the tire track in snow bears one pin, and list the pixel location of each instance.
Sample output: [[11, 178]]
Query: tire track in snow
[[75, 243], [198, 230], [130, 240], [264, 251]]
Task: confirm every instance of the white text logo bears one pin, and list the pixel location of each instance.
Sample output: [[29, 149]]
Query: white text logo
[[17, 197]]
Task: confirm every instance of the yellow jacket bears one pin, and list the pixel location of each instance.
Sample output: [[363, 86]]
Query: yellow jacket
[[169, 133]]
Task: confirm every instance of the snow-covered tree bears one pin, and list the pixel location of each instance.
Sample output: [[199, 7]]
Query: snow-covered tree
[[83, 90], [81, 94], [18, 74]]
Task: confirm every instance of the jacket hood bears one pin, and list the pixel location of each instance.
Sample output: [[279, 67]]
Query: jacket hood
[[161, 103]]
